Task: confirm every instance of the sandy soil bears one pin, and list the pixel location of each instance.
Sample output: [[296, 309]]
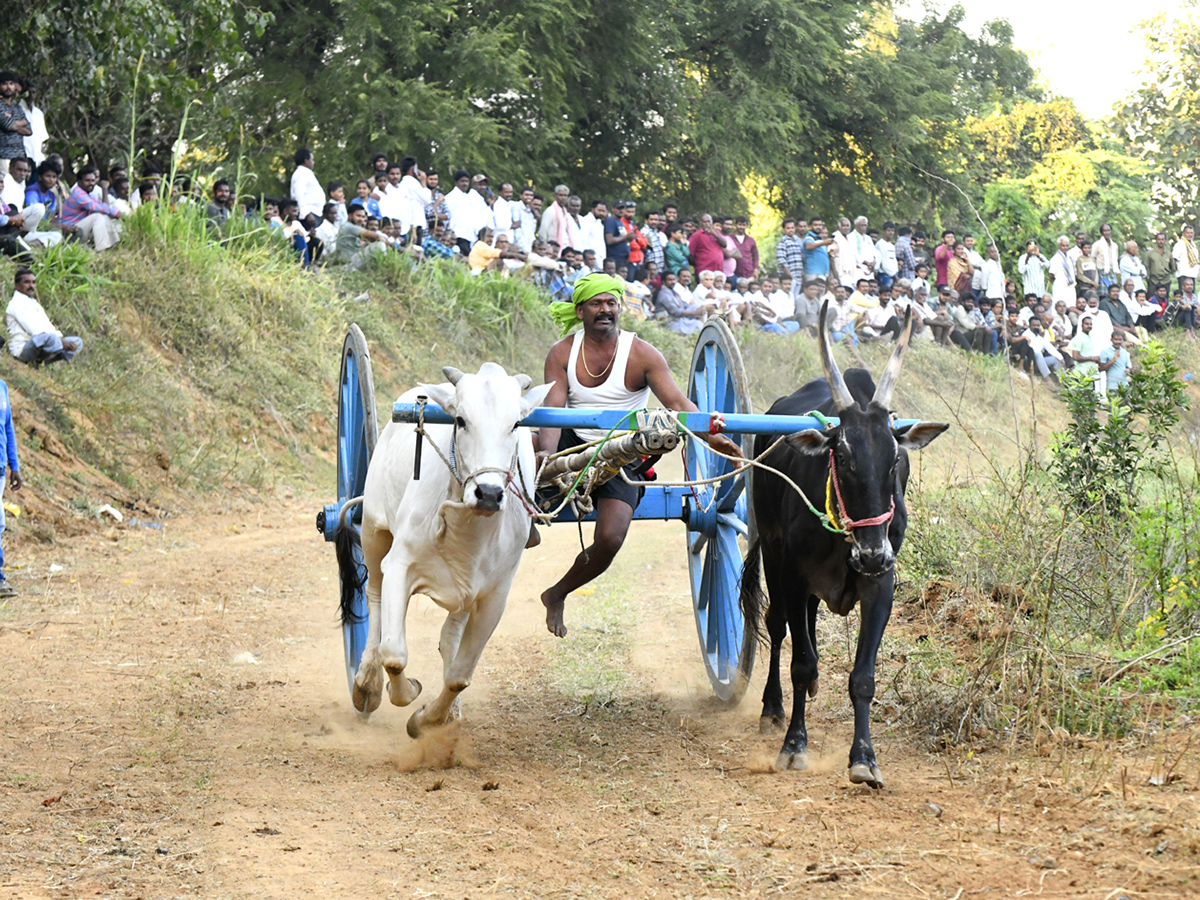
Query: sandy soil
[[176, 723]]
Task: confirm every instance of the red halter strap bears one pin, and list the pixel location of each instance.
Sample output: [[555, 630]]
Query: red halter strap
[[847, 523]]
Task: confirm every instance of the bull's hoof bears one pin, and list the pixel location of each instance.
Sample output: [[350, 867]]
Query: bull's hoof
[[414, 724], [366, 701], [813, 685], [794, 762], [401, 698], [771, 724], [861, 773]]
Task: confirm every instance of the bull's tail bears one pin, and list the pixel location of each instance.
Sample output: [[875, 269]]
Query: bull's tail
[[348, 547], [753, 598]]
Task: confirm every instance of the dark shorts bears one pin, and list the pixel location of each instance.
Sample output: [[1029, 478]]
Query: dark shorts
[[614, 487]]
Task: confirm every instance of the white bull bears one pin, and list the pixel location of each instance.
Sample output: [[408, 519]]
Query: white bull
[[454, 535]]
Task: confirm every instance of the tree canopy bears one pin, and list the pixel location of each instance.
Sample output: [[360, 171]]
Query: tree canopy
[[1160, 121], [838, 106]]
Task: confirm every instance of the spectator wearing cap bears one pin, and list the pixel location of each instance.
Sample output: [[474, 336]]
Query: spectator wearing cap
[[553, 226], [14, 125], [469, 212], [379, 163], [306, 190]]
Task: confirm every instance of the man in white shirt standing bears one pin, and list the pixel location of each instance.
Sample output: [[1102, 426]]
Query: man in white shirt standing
[[865, 256], [414, 197], [35, 141], [976, 262], [886, 266], [554, 220], [306, 190], [32, 337], [506, 220], [591, 230], [1187, 259], [1108, 257], [392, 202], [991, 276], [526, 232], [846, 263], [469, 212]]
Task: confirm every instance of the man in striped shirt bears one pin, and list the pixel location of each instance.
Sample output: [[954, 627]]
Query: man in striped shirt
[[789, 253], [94, 222]]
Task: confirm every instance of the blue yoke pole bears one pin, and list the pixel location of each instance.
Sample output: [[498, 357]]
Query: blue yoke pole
[[604, 419]]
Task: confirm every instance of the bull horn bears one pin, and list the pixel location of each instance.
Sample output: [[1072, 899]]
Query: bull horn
[[891, 374], [523, 381], [833, 375], [452, 374]]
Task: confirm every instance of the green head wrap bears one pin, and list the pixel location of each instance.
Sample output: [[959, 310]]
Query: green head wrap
[[587, 287]]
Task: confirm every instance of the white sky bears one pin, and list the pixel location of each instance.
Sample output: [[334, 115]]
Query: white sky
[[1087, 52]]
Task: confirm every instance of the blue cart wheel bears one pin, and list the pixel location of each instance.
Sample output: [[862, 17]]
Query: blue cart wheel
[[717, 383], [357, 433]]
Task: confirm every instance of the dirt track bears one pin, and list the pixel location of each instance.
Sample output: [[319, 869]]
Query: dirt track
[[144, 754]]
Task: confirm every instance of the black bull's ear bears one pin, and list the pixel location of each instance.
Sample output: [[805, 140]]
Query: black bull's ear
[[914, 437], [811, 441]]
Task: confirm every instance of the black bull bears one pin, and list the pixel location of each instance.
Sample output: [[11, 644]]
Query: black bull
[[805, 563]]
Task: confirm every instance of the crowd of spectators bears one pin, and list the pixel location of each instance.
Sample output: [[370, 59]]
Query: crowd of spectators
[[1078, 308]]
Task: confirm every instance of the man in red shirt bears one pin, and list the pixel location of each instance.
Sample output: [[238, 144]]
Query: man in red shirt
[[706, 247], [747, 265], [942, 256]]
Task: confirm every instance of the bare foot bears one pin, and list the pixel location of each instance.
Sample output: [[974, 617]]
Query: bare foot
[[554, 614]]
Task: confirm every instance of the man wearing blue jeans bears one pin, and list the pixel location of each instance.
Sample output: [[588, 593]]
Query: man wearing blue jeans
[[14, 477]]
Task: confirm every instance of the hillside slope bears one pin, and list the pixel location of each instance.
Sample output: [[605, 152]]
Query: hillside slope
[[210, 371]]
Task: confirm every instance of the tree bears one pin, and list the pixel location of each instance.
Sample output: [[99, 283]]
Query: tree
[[85, 57], [1160, 121]]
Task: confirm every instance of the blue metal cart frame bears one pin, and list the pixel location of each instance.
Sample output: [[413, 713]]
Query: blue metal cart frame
[[719, 522]]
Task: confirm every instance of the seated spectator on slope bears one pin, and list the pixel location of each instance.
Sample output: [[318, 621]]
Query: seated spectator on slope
[[349, 246], [1045, 355], [484, 256], [92, 222], [24, 216], [807, 307], [439, 244], [678, 315], [337, 196], [32, 337], [294, 230], [1119, 314], [43, 191], [327, 232], [1085, 353], [364, 198], [1186, 306], [219, 209], [147, 192], [119, 195]]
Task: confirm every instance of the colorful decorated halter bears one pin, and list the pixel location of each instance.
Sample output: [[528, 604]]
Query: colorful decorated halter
[[841, 518]]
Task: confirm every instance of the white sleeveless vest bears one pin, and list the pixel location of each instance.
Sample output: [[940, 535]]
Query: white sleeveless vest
[[612, 394]]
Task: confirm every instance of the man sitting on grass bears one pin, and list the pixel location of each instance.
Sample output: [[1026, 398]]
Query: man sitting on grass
[[32, 337]]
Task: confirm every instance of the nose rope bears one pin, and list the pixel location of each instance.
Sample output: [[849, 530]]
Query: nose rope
[[845, 522]]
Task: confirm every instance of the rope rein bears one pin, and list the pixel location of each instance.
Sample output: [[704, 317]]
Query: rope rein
[[834, 519]]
